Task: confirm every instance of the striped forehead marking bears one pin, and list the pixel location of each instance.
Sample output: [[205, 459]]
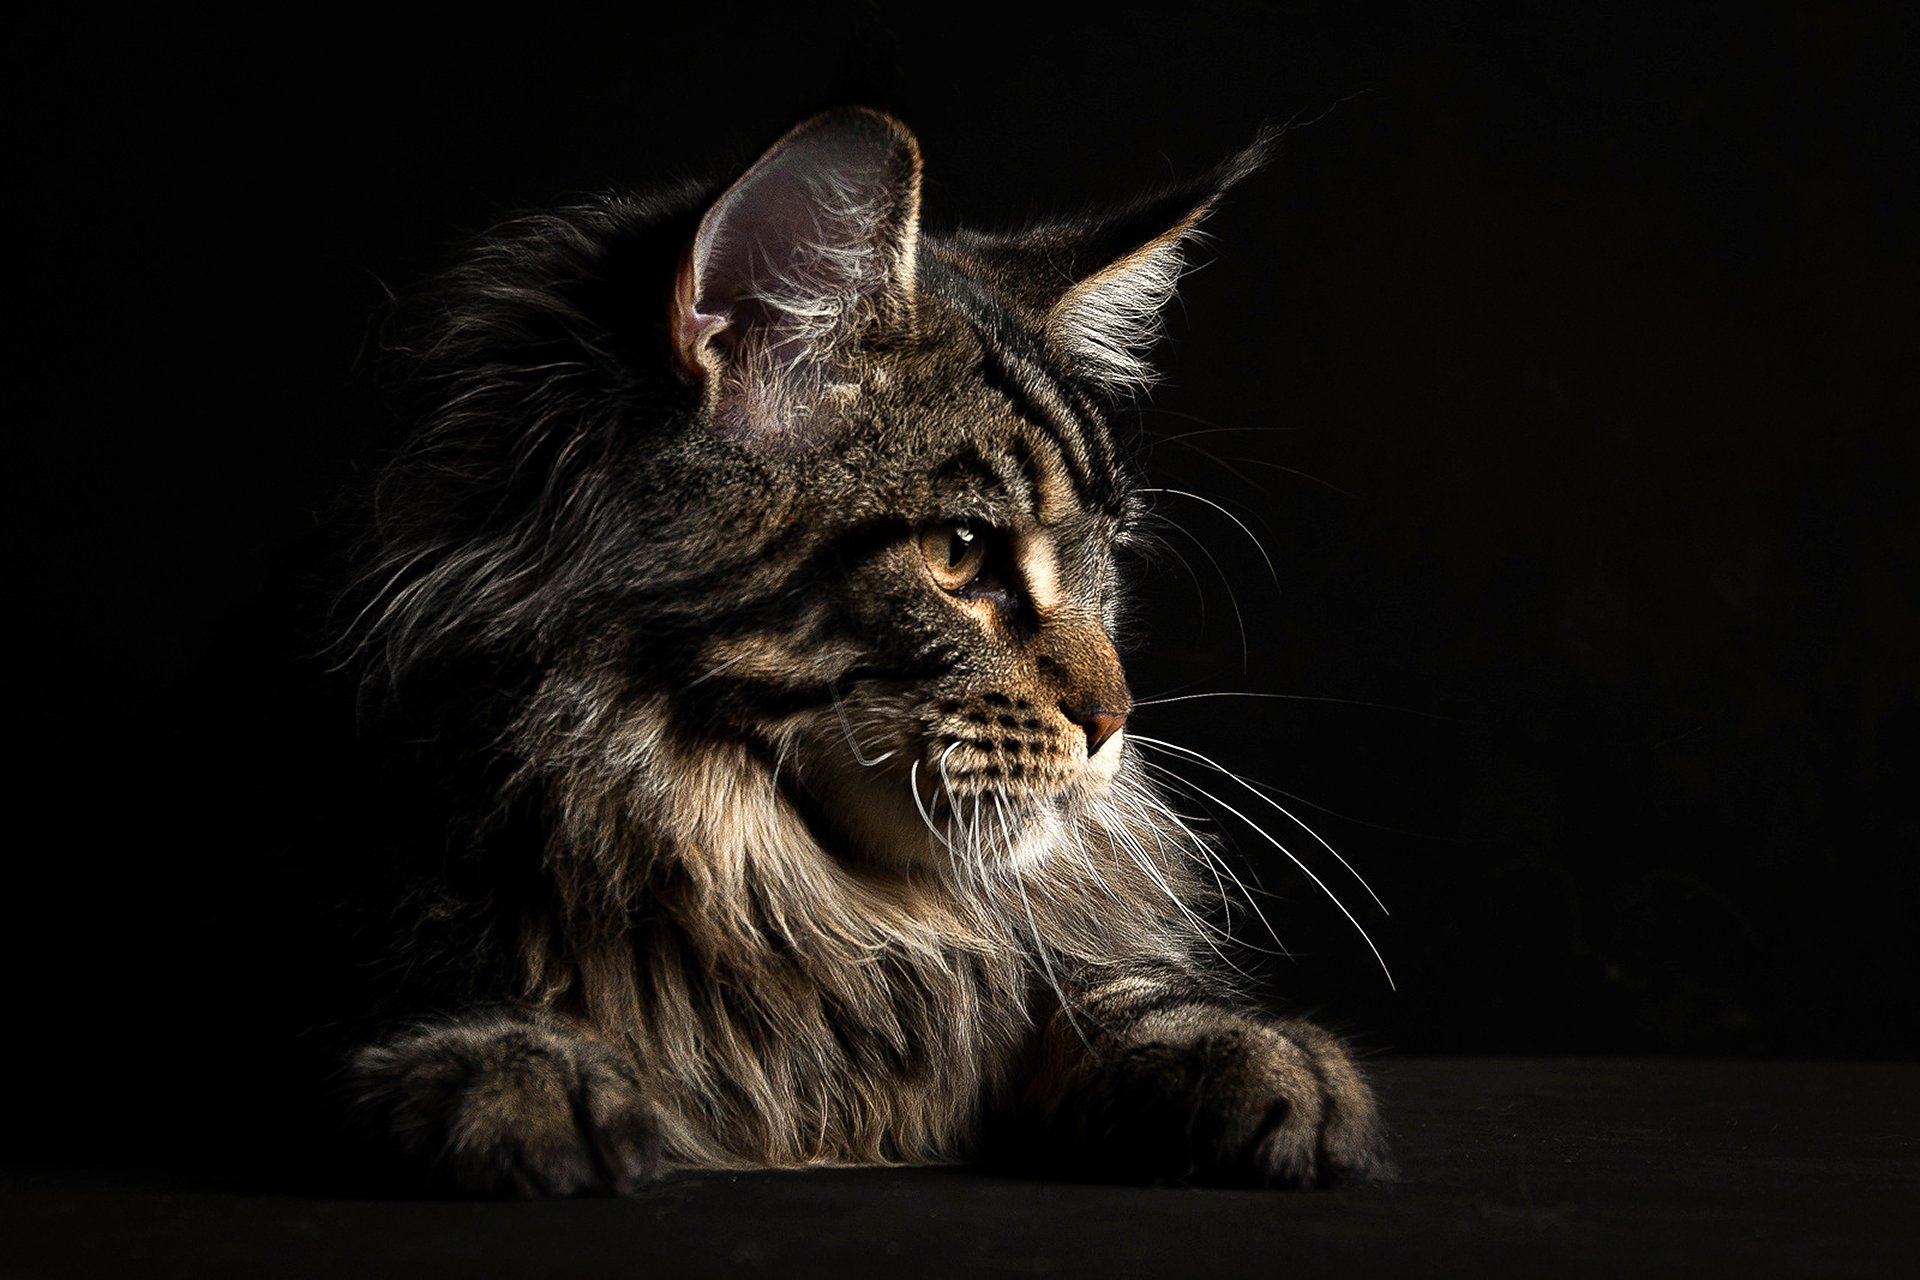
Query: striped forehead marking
[[1049, 478], [1015, 364], [1042, 405]]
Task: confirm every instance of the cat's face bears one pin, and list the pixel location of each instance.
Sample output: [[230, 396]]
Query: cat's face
[[983, 703], [945, 494]]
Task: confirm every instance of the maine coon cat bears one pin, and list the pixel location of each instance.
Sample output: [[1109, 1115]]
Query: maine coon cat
[[743, 603]]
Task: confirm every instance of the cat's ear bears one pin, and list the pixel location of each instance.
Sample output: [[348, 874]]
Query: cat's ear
[[1100, 286], [812, 245]]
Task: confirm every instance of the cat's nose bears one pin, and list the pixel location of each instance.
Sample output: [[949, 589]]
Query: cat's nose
[[1100, 724]]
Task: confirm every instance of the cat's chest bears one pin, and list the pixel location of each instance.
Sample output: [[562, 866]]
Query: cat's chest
[[888, 1057]]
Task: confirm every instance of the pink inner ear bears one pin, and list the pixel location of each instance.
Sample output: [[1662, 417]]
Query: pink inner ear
[[693, 328], [805, 246]]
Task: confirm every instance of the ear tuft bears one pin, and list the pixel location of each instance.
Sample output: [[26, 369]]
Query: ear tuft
[[1107, 323], [1099, 286]]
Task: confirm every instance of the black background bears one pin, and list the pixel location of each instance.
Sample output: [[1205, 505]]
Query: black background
[[1560, 363]]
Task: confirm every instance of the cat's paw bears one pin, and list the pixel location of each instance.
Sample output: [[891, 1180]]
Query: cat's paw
[[509, 1105], [1204, 1095]]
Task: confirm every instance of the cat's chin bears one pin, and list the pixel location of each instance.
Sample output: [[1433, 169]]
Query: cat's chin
[[893, 821], [991, 834]]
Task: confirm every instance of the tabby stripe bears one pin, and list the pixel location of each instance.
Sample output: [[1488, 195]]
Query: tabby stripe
[[780, 698], [831, 560], [1076, 408], [1130, 1011], [768, 607], [1066, 416], [999, 353], [1032, 481], [1017, 365], [1051, 417], [748, 588]]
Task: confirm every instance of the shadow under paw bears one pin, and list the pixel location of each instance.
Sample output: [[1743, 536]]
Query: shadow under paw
[[1223, 1100], [510, 1105]]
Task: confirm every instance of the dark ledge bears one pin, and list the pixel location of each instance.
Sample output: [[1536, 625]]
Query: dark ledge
[[1519, 1167]]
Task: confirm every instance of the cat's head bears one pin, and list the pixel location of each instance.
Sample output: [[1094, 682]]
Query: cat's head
[[849, 497], [941, 406]]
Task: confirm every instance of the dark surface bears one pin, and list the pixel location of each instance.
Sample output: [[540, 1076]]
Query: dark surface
[[1521, 1167]]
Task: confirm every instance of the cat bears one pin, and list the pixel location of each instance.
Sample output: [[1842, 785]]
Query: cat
[[742, 603]]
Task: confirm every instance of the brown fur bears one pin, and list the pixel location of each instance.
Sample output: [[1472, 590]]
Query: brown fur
[[781, 851]]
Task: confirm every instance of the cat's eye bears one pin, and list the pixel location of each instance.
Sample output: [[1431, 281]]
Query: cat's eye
[[955, 552]]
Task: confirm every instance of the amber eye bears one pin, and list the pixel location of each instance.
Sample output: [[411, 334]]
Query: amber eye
[[955, 553]]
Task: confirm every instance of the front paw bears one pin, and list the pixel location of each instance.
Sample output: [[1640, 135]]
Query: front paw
[[1209, 1096], [510, 1105]]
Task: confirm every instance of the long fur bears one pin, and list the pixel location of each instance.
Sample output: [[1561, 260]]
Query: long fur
[[758, 847]]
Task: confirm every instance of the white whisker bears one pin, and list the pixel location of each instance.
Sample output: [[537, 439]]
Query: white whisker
[[1291, 816], [853, 743], [1204, 929], [1218, 865], [1304, 869], [1294, 697], [1233, 601], [1042, 953], [913, 786], [1257, 544], [699, 680]]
